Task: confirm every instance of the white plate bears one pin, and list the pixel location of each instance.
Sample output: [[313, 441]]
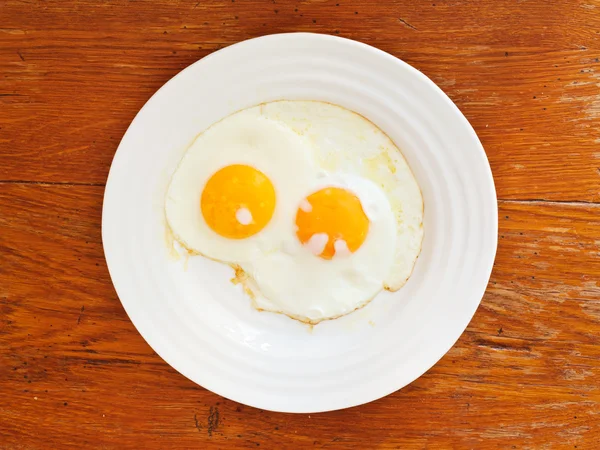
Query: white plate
[[205, 327]]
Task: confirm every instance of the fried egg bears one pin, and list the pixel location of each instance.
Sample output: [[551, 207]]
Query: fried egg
[[338, 257], [233, 196], [312, 203]]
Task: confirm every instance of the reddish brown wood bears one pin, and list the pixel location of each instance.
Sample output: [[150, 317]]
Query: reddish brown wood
[[74, 371], [524, 73]]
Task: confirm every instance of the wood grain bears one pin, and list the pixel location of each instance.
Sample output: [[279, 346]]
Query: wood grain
[[77, 372], [74, 371], [524, 73]]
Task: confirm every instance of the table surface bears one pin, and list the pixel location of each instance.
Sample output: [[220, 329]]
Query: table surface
[[75, 372]]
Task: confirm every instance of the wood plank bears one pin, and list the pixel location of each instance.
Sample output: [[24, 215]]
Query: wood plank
[[74, 372], [525, 74]]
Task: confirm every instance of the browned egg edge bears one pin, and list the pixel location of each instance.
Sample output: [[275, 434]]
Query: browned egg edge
[[242, 278], [412, 269]]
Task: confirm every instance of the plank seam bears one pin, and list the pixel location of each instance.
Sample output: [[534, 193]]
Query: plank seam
[[500, 200]]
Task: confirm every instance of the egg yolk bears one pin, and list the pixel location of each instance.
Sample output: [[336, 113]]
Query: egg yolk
[[238, 201], [332, 217]]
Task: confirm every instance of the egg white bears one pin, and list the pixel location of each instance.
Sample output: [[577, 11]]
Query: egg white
[[303, 146], [346, 142]]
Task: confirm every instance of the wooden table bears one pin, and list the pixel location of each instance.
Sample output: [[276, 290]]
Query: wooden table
[[74, 372]]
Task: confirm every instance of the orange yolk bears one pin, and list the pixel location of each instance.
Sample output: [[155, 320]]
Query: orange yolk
[[238, 201], [335, 212]]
